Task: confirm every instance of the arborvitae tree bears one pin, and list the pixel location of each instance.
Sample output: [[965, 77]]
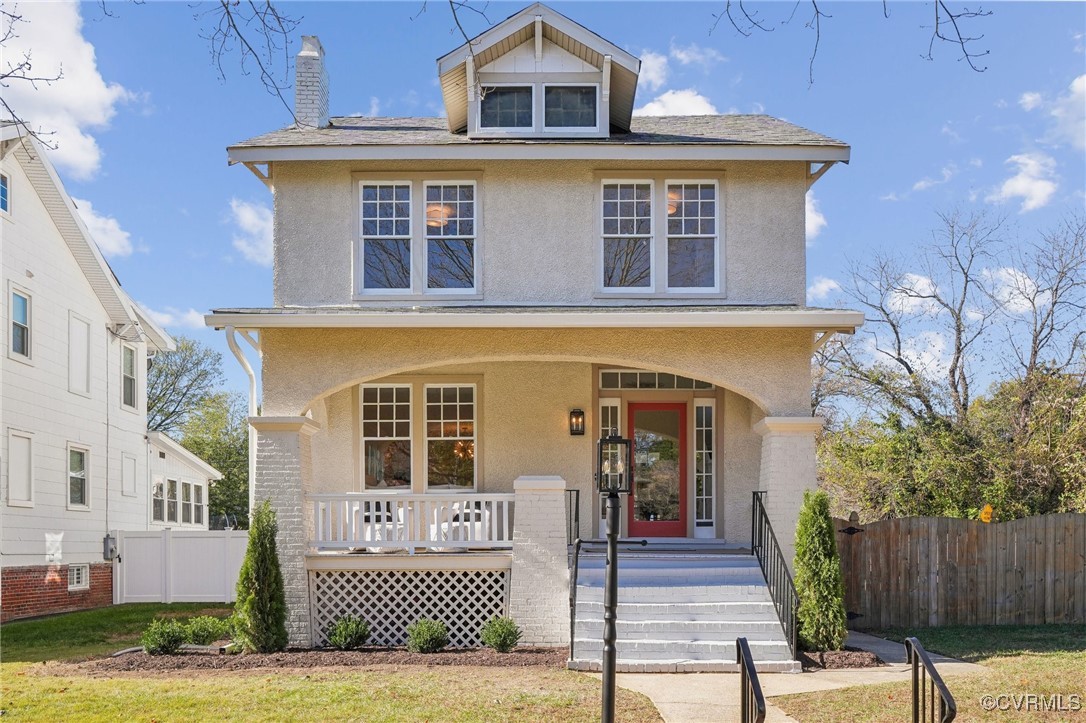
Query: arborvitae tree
[[819, 583], [260, 613]]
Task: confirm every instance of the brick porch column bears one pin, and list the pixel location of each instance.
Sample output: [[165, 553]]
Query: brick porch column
[[284, 475], [788, 468], [539, 586]]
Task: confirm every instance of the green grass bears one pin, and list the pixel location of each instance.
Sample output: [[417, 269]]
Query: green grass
[[33, 691], [1039, 659]]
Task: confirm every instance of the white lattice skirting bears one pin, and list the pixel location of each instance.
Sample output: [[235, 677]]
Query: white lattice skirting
[[390, 600]]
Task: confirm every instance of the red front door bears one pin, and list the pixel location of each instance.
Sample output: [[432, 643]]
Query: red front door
[[658, 501]]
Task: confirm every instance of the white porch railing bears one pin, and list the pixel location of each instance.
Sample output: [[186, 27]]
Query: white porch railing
[[384, 522]]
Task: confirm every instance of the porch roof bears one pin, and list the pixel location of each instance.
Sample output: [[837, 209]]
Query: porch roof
[[540, 317]]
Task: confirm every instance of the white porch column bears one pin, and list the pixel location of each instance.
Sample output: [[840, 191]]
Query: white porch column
[[284, 475], [788, 468], [539, 587]]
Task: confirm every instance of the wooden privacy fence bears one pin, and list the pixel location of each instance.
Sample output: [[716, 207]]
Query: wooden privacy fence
[[929, 571]]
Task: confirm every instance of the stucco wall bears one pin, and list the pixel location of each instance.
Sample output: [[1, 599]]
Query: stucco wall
[[539, 228], [738, 469]]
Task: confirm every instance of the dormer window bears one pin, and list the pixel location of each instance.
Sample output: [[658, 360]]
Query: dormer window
[[570, 106], [508, 108]]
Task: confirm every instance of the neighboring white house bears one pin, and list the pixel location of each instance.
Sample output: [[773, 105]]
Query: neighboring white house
[[74, 455], [180, 484], [463, 305]]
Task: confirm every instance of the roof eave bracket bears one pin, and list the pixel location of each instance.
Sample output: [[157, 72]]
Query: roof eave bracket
[[813, 174], [264, 175]]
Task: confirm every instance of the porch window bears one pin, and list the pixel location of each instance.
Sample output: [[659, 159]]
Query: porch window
[[450, 236], [77, 478], [627, 235], [171, 500], [386, 236], [386, 437], [704, 464], [691, 236], [633, 379], [186, 502], [158, 502], [198, 504], [450, 437]]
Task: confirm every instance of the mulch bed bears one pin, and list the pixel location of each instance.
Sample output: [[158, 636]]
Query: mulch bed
[[840, 659], [301, 659]]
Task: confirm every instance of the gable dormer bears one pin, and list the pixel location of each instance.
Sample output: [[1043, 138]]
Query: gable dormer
[[538, 74]]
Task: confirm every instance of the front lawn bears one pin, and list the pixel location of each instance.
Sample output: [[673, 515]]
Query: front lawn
[[1043, 660], [49, 691]]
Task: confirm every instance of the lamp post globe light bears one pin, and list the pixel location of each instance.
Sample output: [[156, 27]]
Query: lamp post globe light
[[614, 471]]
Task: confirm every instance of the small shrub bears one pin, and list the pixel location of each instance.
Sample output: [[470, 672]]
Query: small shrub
[[260, 613], [348, 633], [164, 637], [819, 583], [502, 634], [427, 636], [205, 630]]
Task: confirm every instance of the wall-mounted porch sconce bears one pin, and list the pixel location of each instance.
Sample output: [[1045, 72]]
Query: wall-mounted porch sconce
[[576, 422]]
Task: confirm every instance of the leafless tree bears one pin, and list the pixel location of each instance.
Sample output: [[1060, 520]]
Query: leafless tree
[[21, 71]]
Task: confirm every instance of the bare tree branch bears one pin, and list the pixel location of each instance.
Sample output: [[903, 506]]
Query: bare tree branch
[[21, 71]]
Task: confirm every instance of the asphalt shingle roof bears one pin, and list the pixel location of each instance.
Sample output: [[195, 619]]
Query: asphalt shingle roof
[[758, 130]]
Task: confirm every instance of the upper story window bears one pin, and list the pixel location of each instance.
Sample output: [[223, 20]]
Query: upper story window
[[20, 324], [540, 109], [78, 490], [128, 376], [627, 235], [5, 194], [570, 106], [691, 236], [508, 107], [410, 248]]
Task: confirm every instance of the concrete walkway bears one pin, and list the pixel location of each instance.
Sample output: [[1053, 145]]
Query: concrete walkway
[[697, 697]]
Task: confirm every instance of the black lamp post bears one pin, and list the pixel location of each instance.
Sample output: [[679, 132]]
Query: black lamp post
[[614, 471]]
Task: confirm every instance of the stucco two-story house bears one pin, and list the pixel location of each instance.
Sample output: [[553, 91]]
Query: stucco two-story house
[[464, 305], [76, 460]]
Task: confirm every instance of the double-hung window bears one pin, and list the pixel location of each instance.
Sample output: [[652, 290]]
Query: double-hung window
[[386, 236], [5, 194], [186, 503], [692, 236], [128, 376], [198, 504], [158, 502], [450, 236], [627, 235], [20, 324], [386, 437], [78, 487], [171, 500], [450, 436]]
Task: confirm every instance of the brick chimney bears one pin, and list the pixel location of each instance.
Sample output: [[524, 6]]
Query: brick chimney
[[311, 84]]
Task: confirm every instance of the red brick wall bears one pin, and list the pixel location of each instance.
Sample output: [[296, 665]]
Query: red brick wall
[[43, 589]]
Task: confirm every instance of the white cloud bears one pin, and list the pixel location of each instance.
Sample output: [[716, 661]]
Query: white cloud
[[1034, 182], [654, 70], [1013, 289], [694, 54], [80, 102], [375, 107], [892, 196], [1029, 101], [173, 318], [948, 171], [254, 226], [821, 289], [813, 218], [948, 130], [1069, 113], [106, 230], [907, 298], [678, 102]]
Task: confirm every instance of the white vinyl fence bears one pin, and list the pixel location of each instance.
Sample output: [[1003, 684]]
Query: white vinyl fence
[[178, 565]]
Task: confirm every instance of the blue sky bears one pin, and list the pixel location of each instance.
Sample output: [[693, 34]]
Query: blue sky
[[143, 119]]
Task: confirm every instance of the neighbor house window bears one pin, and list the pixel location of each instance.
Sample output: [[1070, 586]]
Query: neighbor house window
[[450, 437], [78, 355], [386, 437], [691, 236], [20, 324], [186, 502], [569, 106], [386, 236], [627, 235], [5, 194], [171, 500], [158, 502], [128, 376], [506, 107], [78, 577], [198, 504], [450, 236], [78, 489]]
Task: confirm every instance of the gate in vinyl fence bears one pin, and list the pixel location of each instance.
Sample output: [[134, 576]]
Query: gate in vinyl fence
[[178, 565]]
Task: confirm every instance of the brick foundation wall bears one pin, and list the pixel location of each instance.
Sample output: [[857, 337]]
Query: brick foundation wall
[[43, 589]]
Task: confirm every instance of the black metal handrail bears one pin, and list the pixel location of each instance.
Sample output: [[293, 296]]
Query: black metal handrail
[[751, 700], [926, 684], [774, 566], [573, 594], [573, 515]]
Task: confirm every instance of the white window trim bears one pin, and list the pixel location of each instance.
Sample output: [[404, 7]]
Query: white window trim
[[499, 131], [13, 289], [710, 529], [29, 436], [651, 236], [85, 585], [136, 371], [474, 438], [425, 269], [411, 400], [73, 447], [6, 211], [359, 261], [717, 256], [79, 317], [570, 129], [176, 499], [155, 481], [135, 481], [201, 505]]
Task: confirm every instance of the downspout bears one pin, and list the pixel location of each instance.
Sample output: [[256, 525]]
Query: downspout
[[232, 342]]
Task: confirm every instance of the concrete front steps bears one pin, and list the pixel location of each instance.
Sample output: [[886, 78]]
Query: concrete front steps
[[679, 612]]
